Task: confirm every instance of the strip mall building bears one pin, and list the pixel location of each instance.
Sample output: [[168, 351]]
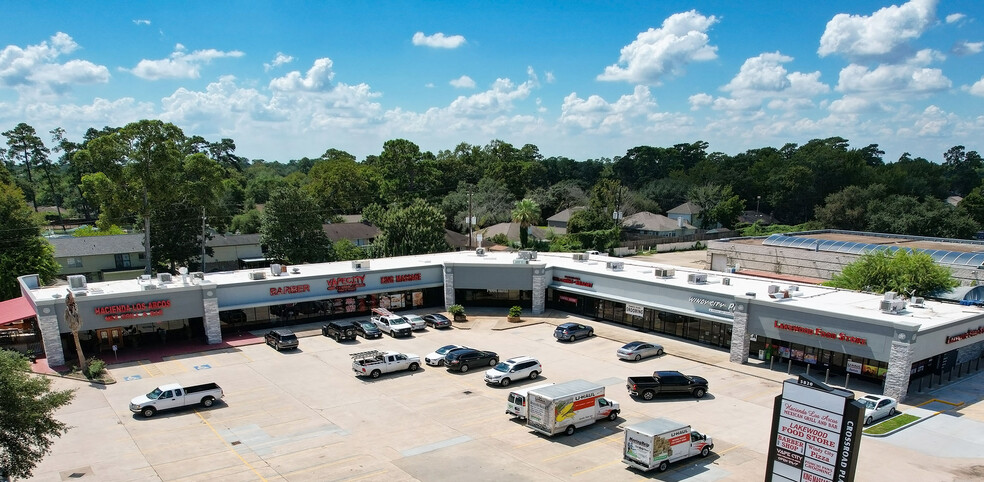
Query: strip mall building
[[846, 332]]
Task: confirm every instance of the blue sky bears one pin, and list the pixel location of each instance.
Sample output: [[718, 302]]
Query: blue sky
[[583, 80]]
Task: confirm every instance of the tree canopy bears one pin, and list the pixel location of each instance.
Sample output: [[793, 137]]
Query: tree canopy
[[903, 272], [22, 249], [292, 228]]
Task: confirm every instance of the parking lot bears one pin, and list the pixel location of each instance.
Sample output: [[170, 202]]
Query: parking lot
[[303, 415]]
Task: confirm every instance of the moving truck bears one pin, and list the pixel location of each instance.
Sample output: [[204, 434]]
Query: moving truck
[[653, 444], [516, 404], [565, 407]]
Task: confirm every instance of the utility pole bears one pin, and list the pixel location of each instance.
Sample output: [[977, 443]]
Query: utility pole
[[203, 239], [470, 223]]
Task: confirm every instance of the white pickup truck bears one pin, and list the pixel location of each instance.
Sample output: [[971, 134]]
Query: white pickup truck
[[374, 363], [174, 395]]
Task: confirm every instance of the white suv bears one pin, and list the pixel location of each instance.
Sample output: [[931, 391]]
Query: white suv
[[513, 369]]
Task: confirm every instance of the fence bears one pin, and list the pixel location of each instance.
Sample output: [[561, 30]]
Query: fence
[[647, 242]]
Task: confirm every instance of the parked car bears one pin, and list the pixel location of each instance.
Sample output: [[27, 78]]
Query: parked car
[[877, 407], [515, 368], [437, 357], [281, 339], [171, 396], [573, 331], [463, 360], [374, 363], [416, 322], [437, 320], [666, 381], [339, 330], [395, 325], [637, 350], [367, 329]]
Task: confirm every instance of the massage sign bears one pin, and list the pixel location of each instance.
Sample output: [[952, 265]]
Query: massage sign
[[816, 432], [135, 310]]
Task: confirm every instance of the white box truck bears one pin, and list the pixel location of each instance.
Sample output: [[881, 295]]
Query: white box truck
[[654, 444], [565, 407]]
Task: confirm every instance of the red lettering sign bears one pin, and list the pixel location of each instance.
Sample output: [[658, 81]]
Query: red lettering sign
[[289, 290], [135, 310], [821, 333], [573, 280], [343, 284], [963, 336], [400, 278]]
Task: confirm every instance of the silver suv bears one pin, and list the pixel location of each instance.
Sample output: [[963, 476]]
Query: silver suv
[[513, 369]]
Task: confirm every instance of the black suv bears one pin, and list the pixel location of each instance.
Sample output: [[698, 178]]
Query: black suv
[[339, 330], [462, 360], [367, 329], [281, 339]]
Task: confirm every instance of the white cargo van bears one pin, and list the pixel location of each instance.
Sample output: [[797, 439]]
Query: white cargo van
[[516, 404], [565, 407], [653, 444]]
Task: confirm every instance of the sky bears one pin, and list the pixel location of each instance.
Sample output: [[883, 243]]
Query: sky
[[583, 80]]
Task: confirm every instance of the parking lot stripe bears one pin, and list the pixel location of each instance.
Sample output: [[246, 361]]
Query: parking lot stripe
[[586, 447], [596, 467], [231, 449], [321, 466], [729, 449], [370, 474]]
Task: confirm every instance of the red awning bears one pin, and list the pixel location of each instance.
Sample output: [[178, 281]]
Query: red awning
[[15, 310]]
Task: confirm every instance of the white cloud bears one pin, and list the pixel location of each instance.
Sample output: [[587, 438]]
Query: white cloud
[[978, 88], [550, 78], [280, 59], [463, 82], [954, 17], [884, 34], [438, 40], [34, 70], [318, 77], [764, 80], [497, 100], [141, 22], [597, 114], [697, 101], [852, 104], [964, 47], [180, 64], [664, 51], [894, 81]]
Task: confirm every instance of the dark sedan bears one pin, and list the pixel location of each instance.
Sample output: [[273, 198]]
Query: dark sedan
[[573, 331], [367, 329], [437, 320], [464, 360]]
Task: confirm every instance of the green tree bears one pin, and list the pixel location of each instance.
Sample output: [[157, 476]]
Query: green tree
[[339, 184], [415, 229], [87, 231], [902, 272], [22, 249], [848, 208], [346, 250], [27, 421], [249, 222], [526, 213], [292, 228]]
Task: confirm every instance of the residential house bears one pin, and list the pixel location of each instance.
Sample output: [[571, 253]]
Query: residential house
[[688, 211], [511, 230], [360, 234], [100, 258], [235, 251], [558, 222], [646, 223]]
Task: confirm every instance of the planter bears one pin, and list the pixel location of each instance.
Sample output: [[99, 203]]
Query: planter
[[513, 319], [460, 318]]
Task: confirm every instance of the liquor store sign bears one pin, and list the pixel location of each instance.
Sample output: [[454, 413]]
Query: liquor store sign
[[816, 431]]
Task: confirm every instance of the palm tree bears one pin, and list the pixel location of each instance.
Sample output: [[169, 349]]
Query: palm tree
[[526, 213]]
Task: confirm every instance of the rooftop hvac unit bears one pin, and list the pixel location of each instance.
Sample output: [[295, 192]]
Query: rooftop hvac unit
[[76, 282], [527, 254], [480, 251], [696, 279], [198, 275], [163, 278], [363, 264], [254, 275], [664, 272], [148, 286], [890, 295], [726, 281], [773, 289], [275, 269], [918, 301], [793, 288], [581, 256], [145, 277], [615, 265], [521, 261], [894, 307]]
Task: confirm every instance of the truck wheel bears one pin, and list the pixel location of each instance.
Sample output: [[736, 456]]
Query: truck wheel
[[699, 393], [413, 367], [464, 368], [504, 382], [648, 395], [533, 375], [571, 339], [208, 401], [570, 430], [704, 452], [663, 466], [375, 373], [613, 416], [148, 412]]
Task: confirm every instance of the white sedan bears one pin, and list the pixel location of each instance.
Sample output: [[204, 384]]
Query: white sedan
[[877, 407], [416, 322], [436, 358]]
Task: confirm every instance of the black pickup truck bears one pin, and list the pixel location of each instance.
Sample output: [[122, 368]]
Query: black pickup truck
[[666, 382]]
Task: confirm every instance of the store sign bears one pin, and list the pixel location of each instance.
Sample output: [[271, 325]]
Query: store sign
[[965, 335], [135, 310], [816, 431], [820, 332], [400, 278], [573, 280], [635, 310], [706, 305], [854, 367], [569, 299], [289, 290], [343, 284]]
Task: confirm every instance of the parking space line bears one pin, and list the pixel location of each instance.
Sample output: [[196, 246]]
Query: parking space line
[[587, 446], [729, 449], [321, 466], [227, 444], [150, 368], [596, 467], [941, 401], [371, 474]]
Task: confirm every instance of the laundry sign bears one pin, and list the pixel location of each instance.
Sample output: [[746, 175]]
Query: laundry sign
[[634, 310]]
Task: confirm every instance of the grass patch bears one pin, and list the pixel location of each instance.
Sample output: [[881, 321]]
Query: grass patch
[[891, 424]]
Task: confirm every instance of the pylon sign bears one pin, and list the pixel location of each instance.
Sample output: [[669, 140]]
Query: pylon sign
[[816, 433]]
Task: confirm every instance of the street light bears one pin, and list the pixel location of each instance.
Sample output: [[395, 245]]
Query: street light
[[758, 199]]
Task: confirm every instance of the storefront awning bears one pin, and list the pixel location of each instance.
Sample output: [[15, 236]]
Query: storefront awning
[[17, 309]]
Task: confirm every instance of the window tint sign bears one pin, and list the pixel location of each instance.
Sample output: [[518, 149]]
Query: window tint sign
[[714, 307]]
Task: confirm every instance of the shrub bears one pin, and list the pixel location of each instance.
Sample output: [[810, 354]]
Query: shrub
[[94, 368], [515, 311], [456, 310]]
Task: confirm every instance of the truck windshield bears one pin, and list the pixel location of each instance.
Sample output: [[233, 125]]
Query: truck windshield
[[154, 395]]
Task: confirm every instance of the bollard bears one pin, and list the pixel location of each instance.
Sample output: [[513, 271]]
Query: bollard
[[771, 359], [827, 377], [807, 368], [847, 379], [789, 369]]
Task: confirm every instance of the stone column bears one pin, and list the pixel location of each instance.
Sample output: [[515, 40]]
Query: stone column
[[448, 285], [210, 317], [899, 369], [740, 341], [539, 290], [51, 336]]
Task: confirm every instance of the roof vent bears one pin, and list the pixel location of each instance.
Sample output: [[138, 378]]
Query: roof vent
[[521, 261], [581, 256], [255, 275], [527, 254], [918, 302], [362, 264], [773, 289], [276, 269], [726, 281], [295, 270], [164, 278], [665, 272], [76, 282], [480, 251], [697, 278], [615, 265]]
